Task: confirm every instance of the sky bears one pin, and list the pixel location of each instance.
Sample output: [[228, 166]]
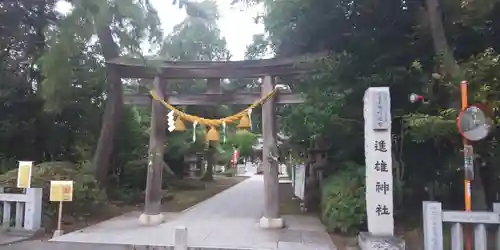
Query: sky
[[236, 22]]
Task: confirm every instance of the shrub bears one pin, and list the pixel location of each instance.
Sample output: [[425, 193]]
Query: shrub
[[343, 199], [133, 175], [87, 197]]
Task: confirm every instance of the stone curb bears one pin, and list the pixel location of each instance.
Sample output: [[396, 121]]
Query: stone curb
[[23, 235]]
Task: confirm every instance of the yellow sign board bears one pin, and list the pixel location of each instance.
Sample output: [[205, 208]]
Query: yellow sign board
[[61, 190], [24, 174]]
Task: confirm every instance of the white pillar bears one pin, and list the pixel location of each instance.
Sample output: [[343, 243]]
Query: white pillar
[[379, 198], [379, 189]]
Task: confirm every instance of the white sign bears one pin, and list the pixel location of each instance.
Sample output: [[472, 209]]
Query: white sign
[[379, 198], [299, 181], [469, 162], [433, 225]]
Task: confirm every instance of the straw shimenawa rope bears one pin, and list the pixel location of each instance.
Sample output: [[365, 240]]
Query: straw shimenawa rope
[[213, 122]]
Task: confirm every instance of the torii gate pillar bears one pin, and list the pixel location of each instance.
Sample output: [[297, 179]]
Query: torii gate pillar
[[271, 218], [152, 214]]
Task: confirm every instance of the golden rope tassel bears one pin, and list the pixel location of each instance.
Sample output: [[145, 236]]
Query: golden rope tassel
[[213, 134], [244, 122], [179, 125]]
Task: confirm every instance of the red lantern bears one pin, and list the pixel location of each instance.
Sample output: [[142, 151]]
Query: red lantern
[[415, 98]]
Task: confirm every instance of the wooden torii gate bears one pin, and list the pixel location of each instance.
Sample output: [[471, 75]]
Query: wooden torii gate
[[213, 72]]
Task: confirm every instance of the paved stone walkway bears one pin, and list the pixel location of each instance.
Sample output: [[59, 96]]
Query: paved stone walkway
[[228, 220], [244, 200]]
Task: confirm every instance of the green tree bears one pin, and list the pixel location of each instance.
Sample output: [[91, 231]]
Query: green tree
[[243, 141], [196, 38], [375, 44], [129, 21]]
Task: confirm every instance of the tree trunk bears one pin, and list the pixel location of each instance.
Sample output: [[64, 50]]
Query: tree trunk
[[112, 112], [478, 193], [490, 181], [441, 45], [452, 68]]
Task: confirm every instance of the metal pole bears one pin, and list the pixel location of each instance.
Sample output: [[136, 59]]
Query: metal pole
[[59, 216], [467, 187]]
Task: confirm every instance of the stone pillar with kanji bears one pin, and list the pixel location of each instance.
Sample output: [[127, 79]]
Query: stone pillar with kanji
[[379, 180]]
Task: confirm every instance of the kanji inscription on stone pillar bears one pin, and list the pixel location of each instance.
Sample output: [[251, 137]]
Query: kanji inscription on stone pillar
[[379, 188]]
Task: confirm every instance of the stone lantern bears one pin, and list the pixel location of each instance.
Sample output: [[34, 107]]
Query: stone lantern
[[192, 160], [317, 161]]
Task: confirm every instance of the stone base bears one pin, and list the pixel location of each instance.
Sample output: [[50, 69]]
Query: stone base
[[151, 219], [57, 233], [271, 223], [367, 241]]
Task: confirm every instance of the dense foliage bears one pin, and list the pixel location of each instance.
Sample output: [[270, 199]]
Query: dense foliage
[[60, 104], [343, 205], [412, 47]]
